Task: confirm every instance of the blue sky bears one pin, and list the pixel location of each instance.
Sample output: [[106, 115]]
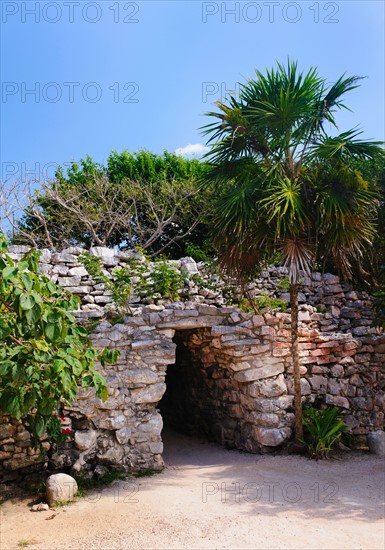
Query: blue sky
[[114, 75]]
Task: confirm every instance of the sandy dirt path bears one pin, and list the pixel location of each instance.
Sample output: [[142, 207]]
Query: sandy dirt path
[[212, 498]]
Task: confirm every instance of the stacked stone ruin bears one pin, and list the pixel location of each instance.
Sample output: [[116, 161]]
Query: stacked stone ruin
[[233, 368]]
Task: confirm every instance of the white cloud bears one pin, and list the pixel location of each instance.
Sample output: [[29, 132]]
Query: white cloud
[[191, 149]]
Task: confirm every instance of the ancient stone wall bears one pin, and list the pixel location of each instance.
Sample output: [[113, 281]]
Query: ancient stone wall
[[233, 368]]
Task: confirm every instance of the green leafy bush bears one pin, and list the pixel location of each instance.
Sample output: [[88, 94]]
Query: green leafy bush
[[379, 302], [266, 303], [284, 284], [323, 430], [165, 281], [55, 431], [45, 354], [198, 253]]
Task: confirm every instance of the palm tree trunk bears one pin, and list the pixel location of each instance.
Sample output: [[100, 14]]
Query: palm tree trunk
[[296, 365]]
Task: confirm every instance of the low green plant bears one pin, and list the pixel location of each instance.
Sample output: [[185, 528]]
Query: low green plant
[[284, 284], [379, 302], [167, 280], [23, 543], [86, 484], [164, 281], [148, 472], [266, 303], [323, 430], [120, 285], [197, 253]]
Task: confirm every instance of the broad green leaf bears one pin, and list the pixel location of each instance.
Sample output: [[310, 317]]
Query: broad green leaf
[[39, 426], [41, 345], [33, 315], [27, 281], [27, 301], [9, 272], [53, 331]]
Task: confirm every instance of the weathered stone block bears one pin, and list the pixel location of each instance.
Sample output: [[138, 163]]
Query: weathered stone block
[[257, 374], [123, 435], [337, 401], [59, 488], [152, 394], [140, 376], [85, 439], [270, 437], [268, 388], [376, 442]]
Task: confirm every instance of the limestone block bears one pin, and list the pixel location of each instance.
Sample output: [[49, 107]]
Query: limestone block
[[140, 376], [337, 401], [305, 387], [112, 456], [64, 258], [6, 430], [156, 447], [153, 426], [337, 371], [207, 310], [271, 437], [318, 383], [151, 394], [69, 281], [102, 252], [189, 265], [274, 405], [76, 250], [268, 388], [59, 488], [376, 442], [241, 365], [115, 421], [266, 420], [85, 439], [123, 435], [141, 344], [259, 373], [18, 249], [77, 271]]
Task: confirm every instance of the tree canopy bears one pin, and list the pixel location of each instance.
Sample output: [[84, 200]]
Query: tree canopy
[[136, 200], [290, 186]]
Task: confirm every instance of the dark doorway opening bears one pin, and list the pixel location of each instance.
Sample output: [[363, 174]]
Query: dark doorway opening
[[187, 405]]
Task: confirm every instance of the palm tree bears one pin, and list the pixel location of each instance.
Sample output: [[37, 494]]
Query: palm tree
[[288, 186]]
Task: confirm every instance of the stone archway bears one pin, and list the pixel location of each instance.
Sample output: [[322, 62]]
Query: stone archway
[[239, 389]]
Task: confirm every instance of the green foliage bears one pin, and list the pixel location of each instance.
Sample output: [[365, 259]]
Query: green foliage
[[285, 186], [148, 472], [164, 280], [323, 430], [284, 284], [379, 303], [265, 302], [140, 199], [167, 281], [198, 253], [86, 484], [55, 432], [261, 304], [45, 353], [120, 285]]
